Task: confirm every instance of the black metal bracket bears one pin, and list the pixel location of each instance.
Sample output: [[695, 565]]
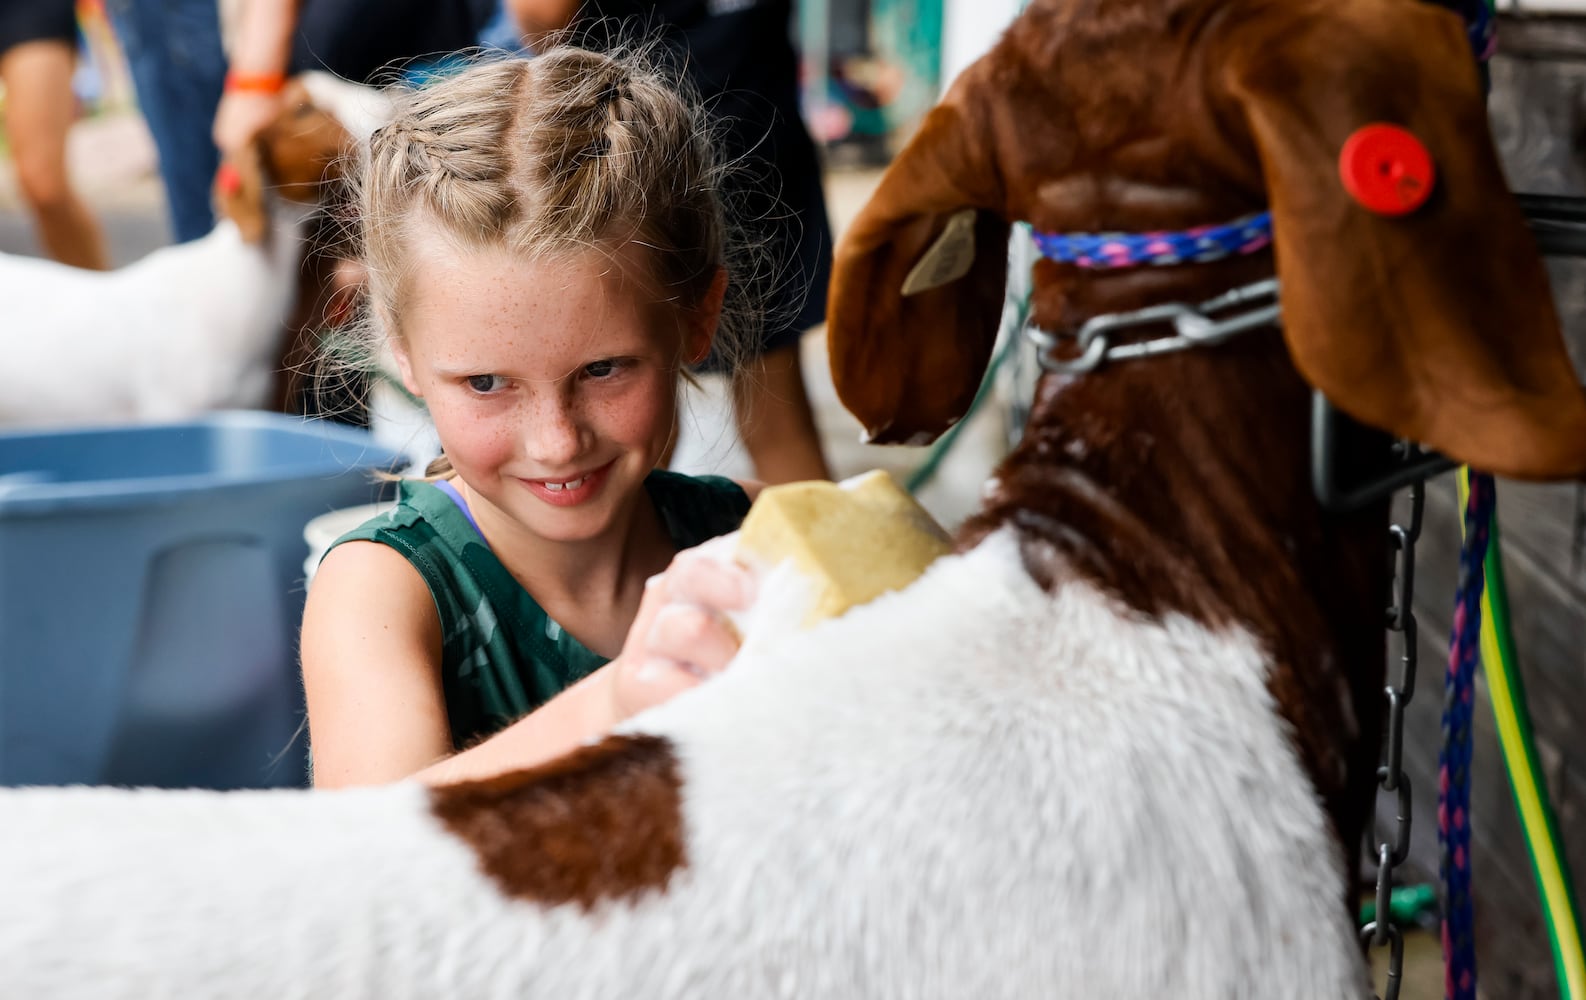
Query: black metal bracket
[[1557, 221], [1353, 465]]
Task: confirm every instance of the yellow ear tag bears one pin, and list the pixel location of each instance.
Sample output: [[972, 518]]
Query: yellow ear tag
[[853, 540], [948, 259]]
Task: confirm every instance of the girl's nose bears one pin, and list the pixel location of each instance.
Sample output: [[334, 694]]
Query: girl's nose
[[554, 433]]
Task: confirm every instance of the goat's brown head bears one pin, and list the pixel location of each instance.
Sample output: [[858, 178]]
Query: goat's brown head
[[293, 157], [1097, 115]]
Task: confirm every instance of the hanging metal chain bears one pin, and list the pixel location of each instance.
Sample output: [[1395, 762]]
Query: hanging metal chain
[[1391, 776], [1241, 310]]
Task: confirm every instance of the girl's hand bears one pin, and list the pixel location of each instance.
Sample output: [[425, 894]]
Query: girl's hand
[[681, 635]]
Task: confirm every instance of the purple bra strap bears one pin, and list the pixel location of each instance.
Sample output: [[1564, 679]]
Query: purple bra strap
[[446, 487]]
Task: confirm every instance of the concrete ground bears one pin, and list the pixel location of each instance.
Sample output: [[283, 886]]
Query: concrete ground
[[113, 162]]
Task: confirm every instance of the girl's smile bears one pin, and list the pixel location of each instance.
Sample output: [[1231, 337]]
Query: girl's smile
[[569, 492]]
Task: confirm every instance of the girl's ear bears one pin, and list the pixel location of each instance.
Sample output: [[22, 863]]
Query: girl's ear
[[703, 319], [404, 364], [398, 349], [405, 369]]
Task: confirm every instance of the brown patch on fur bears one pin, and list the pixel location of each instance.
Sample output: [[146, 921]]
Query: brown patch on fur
[[604, 822], [242, 200], [305, 383], [293, 156], [304, 147]]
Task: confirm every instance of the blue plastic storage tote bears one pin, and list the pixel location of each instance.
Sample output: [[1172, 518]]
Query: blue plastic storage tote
[[151, 588]]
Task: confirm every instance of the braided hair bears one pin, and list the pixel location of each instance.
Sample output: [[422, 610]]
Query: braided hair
[[566, 152]]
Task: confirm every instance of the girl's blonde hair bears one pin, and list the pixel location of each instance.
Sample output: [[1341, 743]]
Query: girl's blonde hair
[[570, 151]]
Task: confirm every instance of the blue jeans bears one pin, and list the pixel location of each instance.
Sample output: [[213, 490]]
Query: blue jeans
[[178, 69]]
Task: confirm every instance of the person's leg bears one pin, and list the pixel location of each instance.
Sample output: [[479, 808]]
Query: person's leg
[[40, 108], [775, 419], [178, 69]]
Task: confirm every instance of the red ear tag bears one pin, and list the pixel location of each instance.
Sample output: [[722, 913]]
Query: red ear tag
[[228, 180], [1386, 169]]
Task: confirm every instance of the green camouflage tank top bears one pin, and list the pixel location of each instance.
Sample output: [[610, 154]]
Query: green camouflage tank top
[[502, 656]]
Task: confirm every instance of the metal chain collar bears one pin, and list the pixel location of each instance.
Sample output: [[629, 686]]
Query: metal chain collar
[[1391, 776], [1193, 326]]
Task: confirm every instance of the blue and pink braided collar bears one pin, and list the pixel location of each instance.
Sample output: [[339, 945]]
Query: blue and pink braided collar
[[1102, 251]]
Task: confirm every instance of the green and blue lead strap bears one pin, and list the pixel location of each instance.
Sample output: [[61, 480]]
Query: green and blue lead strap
[[1560, 910]]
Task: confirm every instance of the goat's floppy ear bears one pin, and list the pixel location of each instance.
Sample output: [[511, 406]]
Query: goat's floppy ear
[[1436, 325], [917, 287], [304, 147], [239, 191]]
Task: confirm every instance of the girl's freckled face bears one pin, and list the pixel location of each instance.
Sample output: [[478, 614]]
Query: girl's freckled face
[[552, 386]]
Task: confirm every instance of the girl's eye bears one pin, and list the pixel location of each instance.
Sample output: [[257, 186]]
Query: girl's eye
[[603, 369], [485, 384]]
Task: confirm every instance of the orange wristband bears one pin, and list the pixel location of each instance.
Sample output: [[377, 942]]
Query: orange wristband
[[255, 83]]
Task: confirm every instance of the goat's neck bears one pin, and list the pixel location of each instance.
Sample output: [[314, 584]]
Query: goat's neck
[[1177, 480], [1180, 484]]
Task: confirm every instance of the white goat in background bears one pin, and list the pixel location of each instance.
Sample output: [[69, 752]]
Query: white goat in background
[[193, 327]]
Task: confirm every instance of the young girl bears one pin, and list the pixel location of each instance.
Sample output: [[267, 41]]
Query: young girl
[[544, 245]]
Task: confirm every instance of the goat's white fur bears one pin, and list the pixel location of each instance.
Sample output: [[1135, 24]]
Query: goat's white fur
[[189, 328], [972, 788], [359, 108]]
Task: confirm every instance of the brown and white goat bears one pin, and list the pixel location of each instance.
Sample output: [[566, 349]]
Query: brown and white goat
[[1119, 745]]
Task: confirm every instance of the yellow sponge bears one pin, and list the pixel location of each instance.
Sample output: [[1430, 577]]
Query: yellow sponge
[[853, 540]]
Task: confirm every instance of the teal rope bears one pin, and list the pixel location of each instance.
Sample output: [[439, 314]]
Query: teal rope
[[1011, 340]]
